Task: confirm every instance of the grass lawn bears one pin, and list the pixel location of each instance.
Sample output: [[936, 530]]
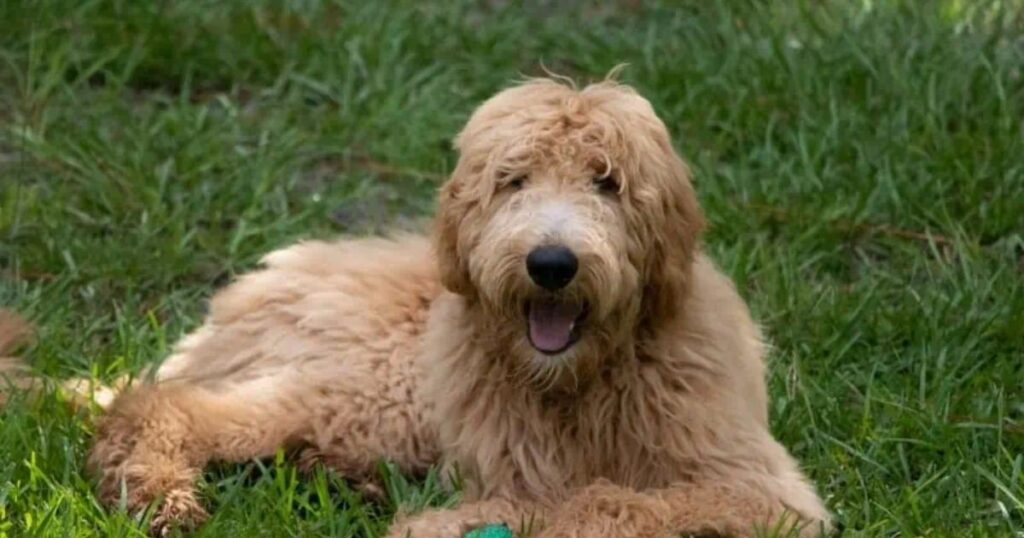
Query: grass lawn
[[861, 164]]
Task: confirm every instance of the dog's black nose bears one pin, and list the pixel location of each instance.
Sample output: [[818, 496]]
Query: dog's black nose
[[552, 267]]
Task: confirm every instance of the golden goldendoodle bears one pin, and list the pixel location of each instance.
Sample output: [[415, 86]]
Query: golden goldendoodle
[[564, 345]]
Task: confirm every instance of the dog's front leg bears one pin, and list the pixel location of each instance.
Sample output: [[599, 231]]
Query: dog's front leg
[[604, 509], [522, 517], [708, 509]]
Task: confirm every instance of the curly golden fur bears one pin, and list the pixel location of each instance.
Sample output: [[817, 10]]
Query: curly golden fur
[[650, 420]]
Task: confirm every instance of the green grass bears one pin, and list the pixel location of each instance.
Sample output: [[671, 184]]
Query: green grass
[[861, 164]]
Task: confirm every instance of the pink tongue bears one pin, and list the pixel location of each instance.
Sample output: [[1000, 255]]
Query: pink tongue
[[551, 324]]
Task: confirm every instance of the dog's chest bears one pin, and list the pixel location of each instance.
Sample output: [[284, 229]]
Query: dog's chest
[[543, 448], [624, 439]]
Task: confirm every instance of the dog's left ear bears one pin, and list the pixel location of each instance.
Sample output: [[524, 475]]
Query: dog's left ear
[[451, 210], [675, 223]]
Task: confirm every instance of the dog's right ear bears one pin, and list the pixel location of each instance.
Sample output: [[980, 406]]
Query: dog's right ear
[[451, 210]]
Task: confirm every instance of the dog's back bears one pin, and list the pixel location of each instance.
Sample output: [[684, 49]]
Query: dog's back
[[351, 291]]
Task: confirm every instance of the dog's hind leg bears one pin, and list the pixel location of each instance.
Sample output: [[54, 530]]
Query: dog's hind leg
[[156, 439], [720, 508]]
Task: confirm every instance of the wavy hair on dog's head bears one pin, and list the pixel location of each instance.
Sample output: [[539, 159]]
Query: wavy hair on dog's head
[[608, 126]]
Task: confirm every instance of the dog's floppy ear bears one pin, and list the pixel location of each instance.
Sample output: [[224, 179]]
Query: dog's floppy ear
[[452, 208], [675, 230], [662, 213]]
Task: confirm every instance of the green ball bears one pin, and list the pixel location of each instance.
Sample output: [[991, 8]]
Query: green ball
[[498, 530]]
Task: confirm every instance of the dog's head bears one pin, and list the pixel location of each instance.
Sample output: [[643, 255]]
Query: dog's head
[[569, 218]]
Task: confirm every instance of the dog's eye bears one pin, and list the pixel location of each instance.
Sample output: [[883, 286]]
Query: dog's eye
[[607, 184], [516, 183]]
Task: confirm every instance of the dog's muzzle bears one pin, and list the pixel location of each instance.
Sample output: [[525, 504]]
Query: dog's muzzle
[[553, 322]]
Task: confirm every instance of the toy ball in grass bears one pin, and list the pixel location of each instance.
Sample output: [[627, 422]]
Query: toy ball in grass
[[490, 531]]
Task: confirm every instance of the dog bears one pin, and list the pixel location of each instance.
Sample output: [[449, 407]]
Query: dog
[[562, 344]]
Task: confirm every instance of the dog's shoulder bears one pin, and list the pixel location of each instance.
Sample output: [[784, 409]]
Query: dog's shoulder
[[365, 254], [719, 330]]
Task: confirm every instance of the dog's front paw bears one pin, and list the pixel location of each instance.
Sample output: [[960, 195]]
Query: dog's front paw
[[180, 509], [604, 509]]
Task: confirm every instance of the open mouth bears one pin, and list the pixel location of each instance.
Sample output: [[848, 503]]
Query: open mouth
[[553, 326]]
